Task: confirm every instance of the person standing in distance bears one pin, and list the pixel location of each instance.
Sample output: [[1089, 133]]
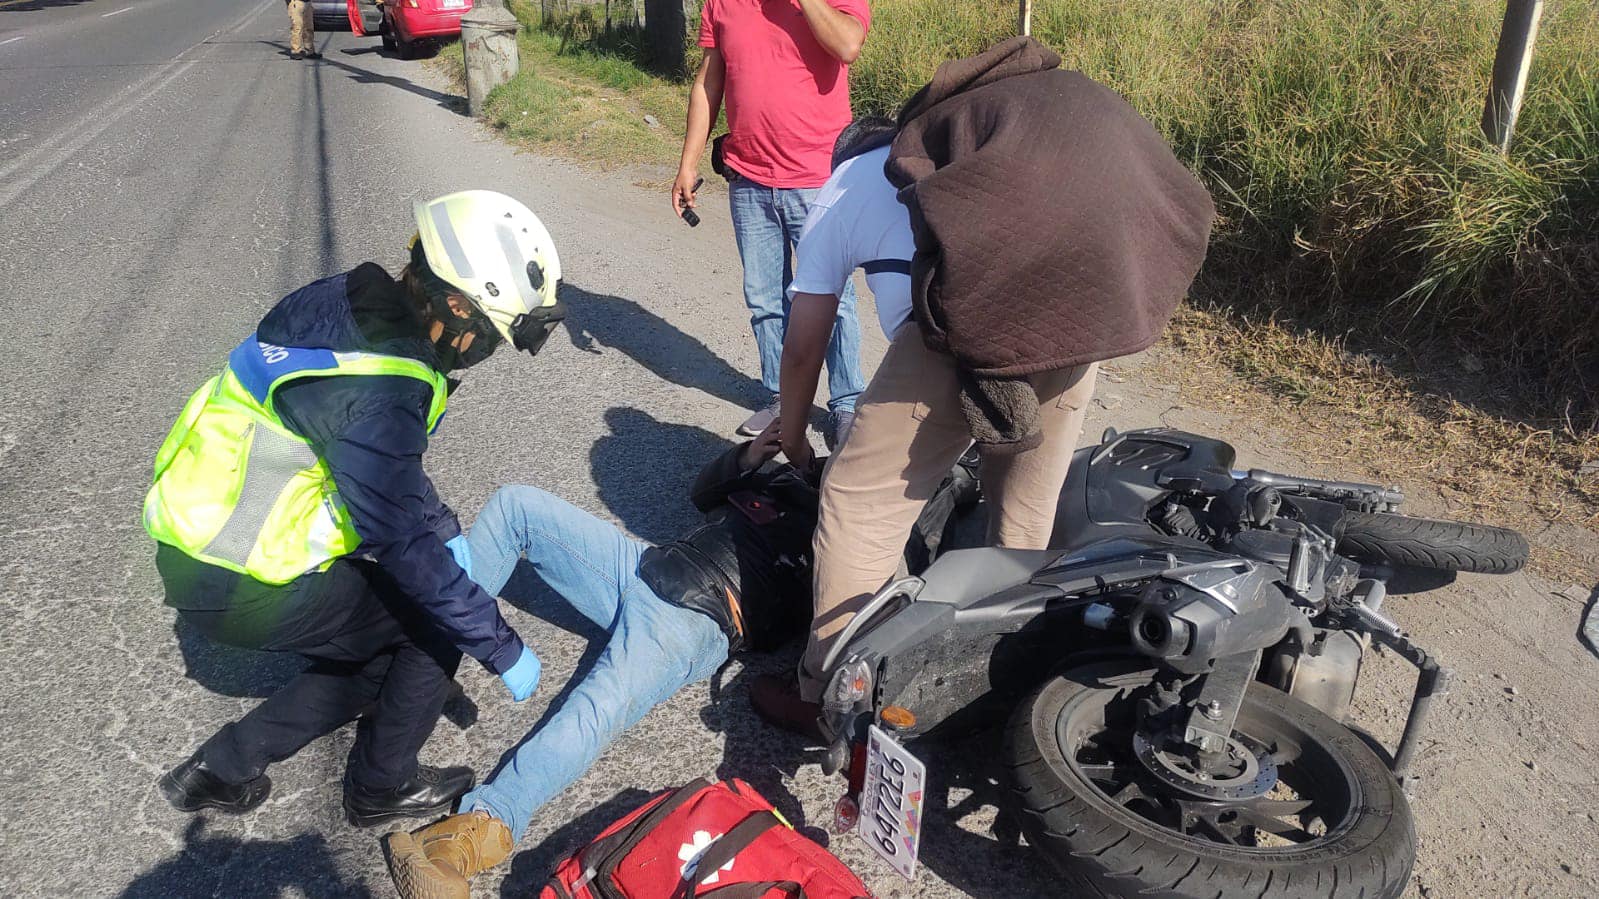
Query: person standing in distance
[[302, 30], [782, 66], [292, 513]]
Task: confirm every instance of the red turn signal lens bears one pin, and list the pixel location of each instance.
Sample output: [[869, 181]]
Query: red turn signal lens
[[846, 814]]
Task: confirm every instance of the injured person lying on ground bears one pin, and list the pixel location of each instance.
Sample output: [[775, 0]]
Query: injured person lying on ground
[[740, 580]]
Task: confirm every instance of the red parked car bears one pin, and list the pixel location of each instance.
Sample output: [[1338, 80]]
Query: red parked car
[[408, 26]]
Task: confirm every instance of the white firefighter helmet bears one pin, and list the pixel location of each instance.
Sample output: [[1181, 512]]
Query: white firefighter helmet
[[499, 255]]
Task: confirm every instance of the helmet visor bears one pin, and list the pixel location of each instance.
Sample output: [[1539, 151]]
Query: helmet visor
[[531, 329]]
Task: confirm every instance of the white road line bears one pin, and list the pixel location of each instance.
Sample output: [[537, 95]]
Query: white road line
[[50, 155], [117, 13], [12, 40]]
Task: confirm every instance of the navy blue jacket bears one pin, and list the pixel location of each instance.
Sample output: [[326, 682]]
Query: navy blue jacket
[[372, 431]]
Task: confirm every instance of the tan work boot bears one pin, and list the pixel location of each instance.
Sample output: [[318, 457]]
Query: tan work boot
[[437, 861]]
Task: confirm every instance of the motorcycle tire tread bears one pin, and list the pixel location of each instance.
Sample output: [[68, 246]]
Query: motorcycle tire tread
[[1384, 537], [1112, 860]]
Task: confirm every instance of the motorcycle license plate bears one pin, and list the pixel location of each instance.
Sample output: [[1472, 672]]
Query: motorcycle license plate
[[891, 802]]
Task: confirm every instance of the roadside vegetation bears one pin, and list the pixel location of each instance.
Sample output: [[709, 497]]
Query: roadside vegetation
[[586, 93], [1374, 258]]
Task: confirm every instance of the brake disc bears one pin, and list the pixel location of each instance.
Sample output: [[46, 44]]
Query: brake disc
[[1247, 772]]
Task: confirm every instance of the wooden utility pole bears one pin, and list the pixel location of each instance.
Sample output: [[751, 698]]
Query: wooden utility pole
[[1024, 22], [1511, 63]]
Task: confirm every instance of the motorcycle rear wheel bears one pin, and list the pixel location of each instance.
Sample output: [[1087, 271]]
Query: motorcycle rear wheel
[[1387, 538], [1337, 824]]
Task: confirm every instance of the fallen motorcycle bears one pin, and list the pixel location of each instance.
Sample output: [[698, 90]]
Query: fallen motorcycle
[[1177, 673]]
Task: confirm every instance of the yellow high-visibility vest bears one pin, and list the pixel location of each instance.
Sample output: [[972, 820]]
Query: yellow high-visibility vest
[[235, 487]]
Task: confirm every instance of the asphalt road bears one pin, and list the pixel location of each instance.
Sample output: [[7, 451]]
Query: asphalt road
[[166, 174]]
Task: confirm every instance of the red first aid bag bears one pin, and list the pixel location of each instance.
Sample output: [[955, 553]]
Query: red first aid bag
[[707, 839]]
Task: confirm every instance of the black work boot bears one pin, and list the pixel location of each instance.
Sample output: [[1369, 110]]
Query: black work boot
[[430, 791], [192, 786]]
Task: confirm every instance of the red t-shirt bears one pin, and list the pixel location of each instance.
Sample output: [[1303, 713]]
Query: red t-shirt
[[787, 98]]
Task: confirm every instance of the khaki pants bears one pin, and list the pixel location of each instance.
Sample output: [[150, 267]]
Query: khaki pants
[[302, 28], [908, 432]]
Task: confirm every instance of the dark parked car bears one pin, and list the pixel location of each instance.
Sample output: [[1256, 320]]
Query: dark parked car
[[327, 11]]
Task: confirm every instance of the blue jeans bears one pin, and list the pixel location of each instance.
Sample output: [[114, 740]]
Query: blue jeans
[[767, 223], [655, 648]]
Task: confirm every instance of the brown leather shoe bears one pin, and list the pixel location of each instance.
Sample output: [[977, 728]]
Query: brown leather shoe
[[777, 700], [437, 861]]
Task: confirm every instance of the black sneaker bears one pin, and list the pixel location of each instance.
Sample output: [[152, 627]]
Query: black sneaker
[[430, 791], [296, 54], [192, 786], [311, 54]]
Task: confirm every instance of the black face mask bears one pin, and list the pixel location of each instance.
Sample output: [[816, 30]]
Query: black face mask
[[485, 339]]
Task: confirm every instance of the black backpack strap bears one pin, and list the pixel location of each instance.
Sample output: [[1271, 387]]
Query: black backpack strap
[[601, 856], [895, 266], [755, 890], [729, 845]]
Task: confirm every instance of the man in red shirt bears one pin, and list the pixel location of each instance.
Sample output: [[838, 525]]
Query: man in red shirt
[[783, 68]]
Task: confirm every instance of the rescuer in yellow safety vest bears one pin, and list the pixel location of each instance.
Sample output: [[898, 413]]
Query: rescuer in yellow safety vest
[[292, 513]]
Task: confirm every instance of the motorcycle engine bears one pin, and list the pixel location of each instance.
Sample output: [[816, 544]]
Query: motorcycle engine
[[1323, 675]]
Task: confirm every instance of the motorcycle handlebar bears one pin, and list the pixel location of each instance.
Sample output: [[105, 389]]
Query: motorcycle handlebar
[[1389, 496]]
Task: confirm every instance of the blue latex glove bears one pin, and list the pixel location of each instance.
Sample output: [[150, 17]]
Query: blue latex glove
[[462, 551], [523, 677]]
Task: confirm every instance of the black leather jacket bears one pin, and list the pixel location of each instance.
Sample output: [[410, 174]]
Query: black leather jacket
[[748, 566]]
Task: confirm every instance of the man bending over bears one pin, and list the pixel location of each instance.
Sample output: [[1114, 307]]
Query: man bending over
[[740, 580]]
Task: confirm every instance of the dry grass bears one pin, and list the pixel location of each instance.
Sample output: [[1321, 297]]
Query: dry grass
[[1352, 412]]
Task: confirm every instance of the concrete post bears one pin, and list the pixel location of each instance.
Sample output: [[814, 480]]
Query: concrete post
[[488, 41], [1511, 62]]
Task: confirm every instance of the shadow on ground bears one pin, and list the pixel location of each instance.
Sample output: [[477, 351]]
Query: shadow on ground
[[644, 469], [36, 5], [453, 103], [595, 321], [225, 865], [531, 869], [230, 671]]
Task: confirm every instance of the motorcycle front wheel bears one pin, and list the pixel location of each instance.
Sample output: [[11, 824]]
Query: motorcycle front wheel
[[1335, 824], [1388, 538]]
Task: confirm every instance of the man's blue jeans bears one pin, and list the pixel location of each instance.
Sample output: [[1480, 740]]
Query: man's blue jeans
[[767, 222], [655, 648]]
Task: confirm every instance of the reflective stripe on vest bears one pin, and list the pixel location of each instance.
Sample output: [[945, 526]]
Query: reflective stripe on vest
[[235, 487]]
